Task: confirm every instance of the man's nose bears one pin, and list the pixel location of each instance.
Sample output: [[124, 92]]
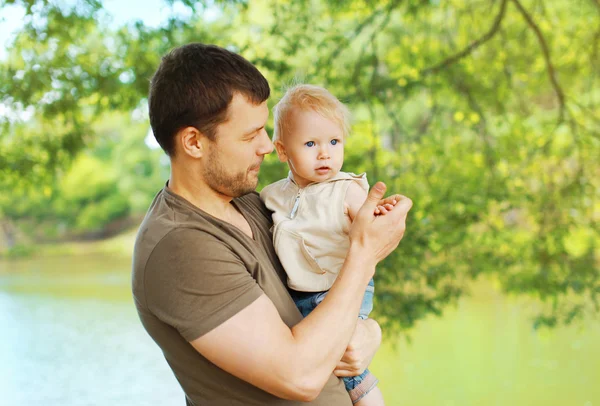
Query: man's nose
[[266, 146]]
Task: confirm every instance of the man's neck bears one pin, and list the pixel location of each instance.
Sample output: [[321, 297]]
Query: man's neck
[[197, 192]]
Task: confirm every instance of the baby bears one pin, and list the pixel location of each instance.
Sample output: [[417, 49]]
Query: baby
[[314, 206]]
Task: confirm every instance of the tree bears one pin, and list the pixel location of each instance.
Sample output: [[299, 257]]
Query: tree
[[485, 113]]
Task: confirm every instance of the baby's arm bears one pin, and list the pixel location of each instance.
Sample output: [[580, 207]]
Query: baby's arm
[[355, 197]]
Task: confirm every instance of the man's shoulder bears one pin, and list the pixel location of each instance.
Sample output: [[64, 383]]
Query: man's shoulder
[[161, 218], [168, 219], [156, 224], [170, 238]]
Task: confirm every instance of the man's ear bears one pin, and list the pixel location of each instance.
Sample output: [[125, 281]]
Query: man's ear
[[191, 141], [280, 151]]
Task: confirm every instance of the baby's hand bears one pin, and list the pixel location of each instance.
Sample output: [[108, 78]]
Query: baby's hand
[[386, 205]]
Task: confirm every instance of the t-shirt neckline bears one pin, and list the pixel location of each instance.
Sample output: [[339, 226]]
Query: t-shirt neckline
[[203, 213]]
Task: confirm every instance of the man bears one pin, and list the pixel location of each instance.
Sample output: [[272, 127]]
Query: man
[[207, 284]]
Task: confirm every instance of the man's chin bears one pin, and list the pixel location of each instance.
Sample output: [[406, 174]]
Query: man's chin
[[252, 186], [248, 187]]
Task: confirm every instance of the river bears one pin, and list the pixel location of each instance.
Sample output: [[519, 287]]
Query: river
[[71, 337]]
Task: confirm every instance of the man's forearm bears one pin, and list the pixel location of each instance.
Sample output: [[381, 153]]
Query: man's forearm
[[322, 337]]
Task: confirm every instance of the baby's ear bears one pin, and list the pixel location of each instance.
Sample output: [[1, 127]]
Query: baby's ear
[[280, 151]]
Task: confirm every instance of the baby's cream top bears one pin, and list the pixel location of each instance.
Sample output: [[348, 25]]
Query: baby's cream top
[[310, 228]]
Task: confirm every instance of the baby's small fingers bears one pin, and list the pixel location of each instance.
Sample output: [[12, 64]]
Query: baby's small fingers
[[389, 206], [383, 209]]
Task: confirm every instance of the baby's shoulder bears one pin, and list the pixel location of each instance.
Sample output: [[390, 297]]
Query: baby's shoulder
[[356, 191], [273, 188]]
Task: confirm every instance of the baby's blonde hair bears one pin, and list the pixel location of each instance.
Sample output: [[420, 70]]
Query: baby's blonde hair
[[309, 97]]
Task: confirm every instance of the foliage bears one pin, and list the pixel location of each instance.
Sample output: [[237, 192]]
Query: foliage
[[116, 177], [464, 107], [485, 113]]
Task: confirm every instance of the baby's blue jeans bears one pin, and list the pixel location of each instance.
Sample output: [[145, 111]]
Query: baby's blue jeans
[[357, 386]]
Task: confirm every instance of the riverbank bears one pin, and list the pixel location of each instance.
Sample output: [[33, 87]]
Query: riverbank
[[119, 245]]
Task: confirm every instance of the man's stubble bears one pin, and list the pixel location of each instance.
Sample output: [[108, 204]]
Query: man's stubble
[[218, 178]]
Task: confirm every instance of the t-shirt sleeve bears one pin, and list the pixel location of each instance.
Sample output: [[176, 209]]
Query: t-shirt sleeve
[[195, 282]]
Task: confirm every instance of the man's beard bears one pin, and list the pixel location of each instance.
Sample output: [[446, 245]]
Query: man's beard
[[229, 184]]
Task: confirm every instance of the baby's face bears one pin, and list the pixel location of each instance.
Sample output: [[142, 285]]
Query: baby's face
[[313, 147]]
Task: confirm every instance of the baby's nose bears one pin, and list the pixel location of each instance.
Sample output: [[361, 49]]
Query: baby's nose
[[324, 153]]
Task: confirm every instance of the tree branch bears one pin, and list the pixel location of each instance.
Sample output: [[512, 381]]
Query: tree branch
[[377, 30], [550, 68], [474, 45], [358, 30]]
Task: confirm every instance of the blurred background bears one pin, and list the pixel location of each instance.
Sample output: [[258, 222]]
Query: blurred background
[[485, 112]]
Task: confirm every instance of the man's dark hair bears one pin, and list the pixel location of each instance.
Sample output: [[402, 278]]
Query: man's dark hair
[[193, 87]]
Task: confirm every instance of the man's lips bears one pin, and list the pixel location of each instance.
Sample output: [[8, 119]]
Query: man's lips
[[255, 167]]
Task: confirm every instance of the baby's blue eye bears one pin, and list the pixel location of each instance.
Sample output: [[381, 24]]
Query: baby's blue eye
[[310, 144], [334, 142]]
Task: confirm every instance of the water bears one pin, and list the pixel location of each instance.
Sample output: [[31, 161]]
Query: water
[[486, 352], [71, 336]]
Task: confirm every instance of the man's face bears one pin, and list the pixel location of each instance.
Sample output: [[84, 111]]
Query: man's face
[[233, 159], [314, 147]]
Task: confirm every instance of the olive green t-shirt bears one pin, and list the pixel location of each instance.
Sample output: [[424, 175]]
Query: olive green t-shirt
[[192, 272]]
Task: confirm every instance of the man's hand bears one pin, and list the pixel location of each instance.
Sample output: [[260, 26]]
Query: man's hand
[[376, 235], [361, 349]]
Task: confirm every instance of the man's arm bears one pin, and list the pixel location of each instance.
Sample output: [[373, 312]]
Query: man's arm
[[256, 345]]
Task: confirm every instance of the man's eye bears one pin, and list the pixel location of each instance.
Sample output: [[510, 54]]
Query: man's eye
[[255, 134], [310, 144], [334, 142]]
